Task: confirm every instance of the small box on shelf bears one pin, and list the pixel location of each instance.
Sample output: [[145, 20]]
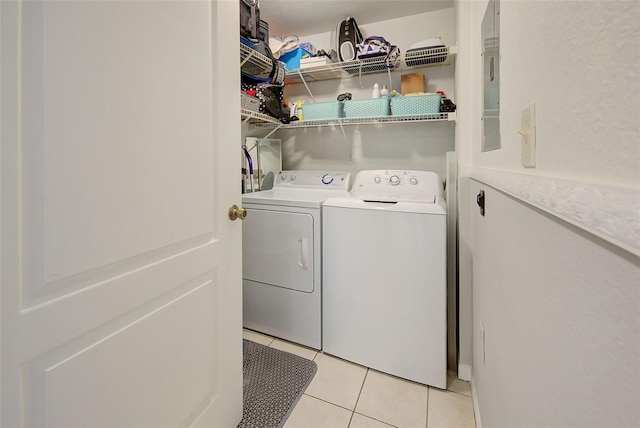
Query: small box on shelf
[[412, 83], [292, 59]]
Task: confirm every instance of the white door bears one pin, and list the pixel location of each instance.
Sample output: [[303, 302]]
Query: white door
[[121, 277]]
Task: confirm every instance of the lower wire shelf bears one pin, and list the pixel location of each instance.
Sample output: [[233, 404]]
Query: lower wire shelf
[[255, 118], [434, 117]]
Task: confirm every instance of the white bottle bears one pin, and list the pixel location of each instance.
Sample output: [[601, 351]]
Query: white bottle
[[384, 92], [376, 91]]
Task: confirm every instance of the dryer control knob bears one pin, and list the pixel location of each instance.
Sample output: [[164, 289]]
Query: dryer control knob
[[413, 180], [377, 180], [293, 177], [283, 177], [394, 180], [327, 179]]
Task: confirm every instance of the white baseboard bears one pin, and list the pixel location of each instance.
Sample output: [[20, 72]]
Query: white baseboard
[[476, 409], [464, 372]]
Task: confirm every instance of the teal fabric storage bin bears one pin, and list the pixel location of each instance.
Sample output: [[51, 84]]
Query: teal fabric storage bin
[[416, 105], [323, 111], [365, 109], [292, 59]]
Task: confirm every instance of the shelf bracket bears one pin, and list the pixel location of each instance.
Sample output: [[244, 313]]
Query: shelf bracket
[[261, 140], [305, 85], [270, 133], [244, 122], [346, 141]]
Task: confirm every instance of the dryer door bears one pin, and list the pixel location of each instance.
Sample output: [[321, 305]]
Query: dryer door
[[278, 249]]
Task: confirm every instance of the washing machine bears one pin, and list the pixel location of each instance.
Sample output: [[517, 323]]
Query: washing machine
[[282, 254], [384, 275]]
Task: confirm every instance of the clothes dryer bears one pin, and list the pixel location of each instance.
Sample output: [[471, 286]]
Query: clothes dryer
[[281, 255], [384, 275]]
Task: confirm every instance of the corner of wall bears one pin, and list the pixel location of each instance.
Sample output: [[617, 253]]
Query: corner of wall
[[476, 407]]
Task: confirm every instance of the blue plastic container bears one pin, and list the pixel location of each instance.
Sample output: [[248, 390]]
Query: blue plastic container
[[416, 105], [367, 108], [323, 111], [292, 59]]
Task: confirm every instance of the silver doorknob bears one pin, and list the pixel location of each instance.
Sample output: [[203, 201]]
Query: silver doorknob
[[237, 213]]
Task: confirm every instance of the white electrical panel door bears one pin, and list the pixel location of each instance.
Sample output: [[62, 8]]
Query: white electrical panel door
[[278, 249]]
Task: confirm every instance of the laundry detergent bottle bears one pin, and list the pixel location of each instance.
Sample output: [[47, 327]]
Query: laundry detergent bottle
[[376, 91]]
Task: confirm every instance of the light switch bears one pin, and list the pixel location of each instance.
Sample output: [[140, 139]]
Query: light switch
[[528, 132]]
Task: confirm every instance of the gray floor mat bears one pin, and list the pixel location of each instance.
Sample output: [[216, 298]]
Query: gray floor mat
[[274, 381]]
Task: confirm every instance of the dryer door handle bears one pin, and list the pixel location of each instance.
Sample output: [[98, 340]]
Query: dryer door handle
[[303, 258]]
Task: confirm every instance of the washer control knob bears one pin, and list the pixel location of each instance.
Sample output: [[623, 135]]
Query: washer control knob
[[413, 181], [283, 177], [394, 180], [293, 177], [327, 179], [377, 180]]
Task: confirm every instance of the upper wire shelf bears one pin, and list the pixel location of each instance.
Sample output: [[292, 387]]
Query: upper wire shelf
[[417, 58]]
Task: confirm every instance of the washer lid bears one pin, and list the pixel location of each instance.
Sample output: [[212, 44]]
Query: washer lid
[[351, 202], [425, 198], [303, 198]]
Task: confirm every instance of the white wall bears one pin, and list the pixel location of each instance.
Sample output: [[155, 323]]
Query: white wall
[[417, 146], [561, 315], [553, 272], [578, 61]]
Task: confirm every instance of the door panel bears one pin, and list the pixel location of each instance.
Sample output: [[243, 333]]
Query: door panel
[[278, 249], [121, 277], [71, 384], [97, 156]]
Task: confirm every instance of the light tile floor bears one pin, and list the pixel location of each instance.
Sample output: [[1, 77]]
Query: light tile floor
[[347, 395]]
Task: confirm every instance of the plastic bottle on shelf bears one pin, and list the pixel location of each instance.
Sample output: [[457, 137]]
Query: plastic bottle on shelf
[[384, 92], [299, 110], [376, 91]]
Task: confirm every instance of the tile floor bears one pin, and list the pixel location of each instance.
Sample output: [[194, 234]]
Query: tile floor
[[346, 395]]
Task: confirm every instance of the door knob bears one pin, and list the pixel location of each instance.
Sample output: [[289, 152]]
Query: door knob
[[237, 213]]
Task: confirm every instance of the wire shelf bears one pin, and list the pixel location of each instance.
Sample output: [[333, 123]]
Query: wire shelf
[[258, 118], [420, 58], [427, 57], [253, 62], [435, 117]]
